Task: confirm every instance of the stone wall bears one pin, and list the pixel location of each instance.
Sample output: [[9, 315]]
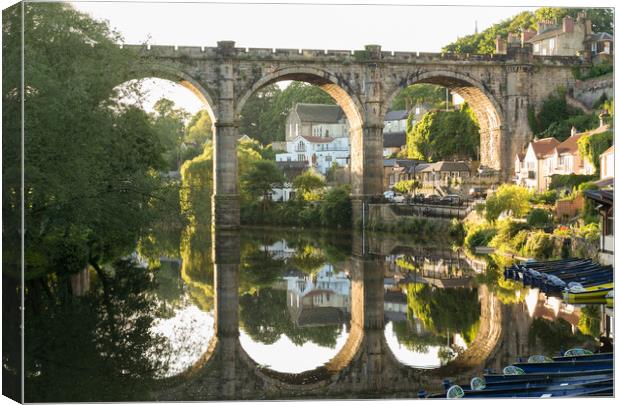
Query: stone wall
[[590, 91]]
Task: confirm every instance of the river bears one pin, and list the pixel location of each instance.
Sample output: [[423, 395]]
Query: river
[[275, 314]]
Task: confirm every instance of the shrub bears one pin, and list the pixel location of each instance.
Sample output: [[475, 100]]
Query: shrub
[[569, 180], [539, 218], [457, 231], [591, 147], [336, 209], [547, 197], [508, 197], [479, 235], [506, 230], [538, 246], [589, 232]]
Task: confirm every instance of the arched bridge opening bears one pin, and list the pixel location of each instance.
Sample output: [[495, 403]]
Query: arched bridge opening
[[476, 94]]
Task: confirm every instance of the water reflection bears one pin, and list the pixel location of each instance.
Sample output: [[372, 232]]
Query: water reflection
[[278, 315]]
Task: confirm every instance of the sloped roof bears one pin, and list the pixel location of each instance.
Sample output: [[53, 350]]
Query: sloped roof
[[600, 36], [444, 166], [603, 197], [543, 147], [318, 139], [548, 33], [321, 316], [323, 113], [394, 139], [569, 146], [418, 168], [609, 151], [396, 115]]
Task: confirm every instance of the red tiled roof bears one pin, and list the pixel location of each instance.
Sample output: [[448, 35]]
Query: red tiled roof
[[318, 139], [544, 146], [570, 146]]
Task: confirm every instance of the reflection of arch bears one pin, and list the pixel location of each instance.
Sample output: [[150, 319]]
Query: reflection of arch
[[178, 76], [339, 91], [487, 108]]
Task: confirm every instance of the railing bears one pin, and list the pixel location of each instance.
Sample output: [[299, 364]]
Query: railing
[[432, 211]]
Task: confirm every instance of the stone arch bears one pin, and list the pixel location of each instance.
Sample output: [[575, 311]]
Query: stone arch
[[336, 88], [487, 108], [180, 77]]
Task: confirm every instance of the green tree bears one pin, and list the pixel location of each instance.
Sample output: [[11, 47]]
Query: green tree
[[199, 129], [169, 125], [417, 94], [336, 208], [443, 135], [261, 177], [91, 163], [308, 185], [508, 197]]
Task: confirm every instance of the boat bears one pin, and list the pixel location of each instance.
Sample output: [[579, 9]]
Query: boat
[[609, 299], [540, 380], [599, 387], [576, 294], [573, 355], [492, 378], [561, 366]]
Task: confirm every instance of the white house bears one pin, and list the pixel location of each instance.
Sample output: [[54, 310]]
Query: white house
[[531, 171], [319, 151], [607, 163], [316, 120]]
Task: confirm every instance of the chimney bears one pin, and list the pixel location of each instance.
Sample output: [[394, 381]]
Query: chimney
[[573, 131], [513, 39], [567, 24], [500, 45], [527, 35]]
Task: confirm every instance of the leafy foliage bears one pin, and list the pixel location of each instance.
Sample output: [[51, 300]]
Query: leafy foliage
[[264, 114], [484, 42], [569, 181], [309, 185], [442, 135], [419, 94], [539, 218], [556, 118], [591, 147], [508, 197], [91, 166], [539, 246]]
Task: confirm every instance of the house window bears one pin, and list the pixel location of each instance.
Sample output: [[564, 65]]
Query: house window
[[552, 43], [328, 158], [417, 111], [593, 47], [536, 47], [302, 158]]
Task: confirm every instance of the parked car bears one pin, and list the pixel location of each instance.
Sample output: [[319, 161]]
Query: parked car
[[398, 198], [432, 199], [389, 194], [419, 198], [477, 192], [451, 199]]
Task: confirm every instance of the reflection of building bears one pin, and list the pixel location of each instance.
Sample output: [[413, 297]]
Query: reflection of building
[[281, 250], [322, 300], [395, 305]]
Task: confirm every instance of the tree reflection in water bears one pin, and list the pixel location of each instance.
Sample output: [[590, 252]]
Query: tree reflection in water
[[96, 347]]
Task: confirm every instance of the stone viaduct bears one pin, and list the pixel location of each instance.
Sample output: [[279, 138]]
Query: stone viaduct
[[364, 367], [500, 88]]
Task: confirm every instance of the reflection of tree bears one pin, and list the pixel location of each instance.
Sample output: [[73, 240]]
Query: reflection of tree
[[259, 268], [457, 310], [197, 267], [507, 291], [98, 347], [590, 320], [408, 336], [554, 335], [264, 317], [309, 259]]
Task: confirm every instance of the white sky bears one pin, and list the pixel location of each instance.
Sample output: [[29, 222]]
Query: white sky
[[406, 26]]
